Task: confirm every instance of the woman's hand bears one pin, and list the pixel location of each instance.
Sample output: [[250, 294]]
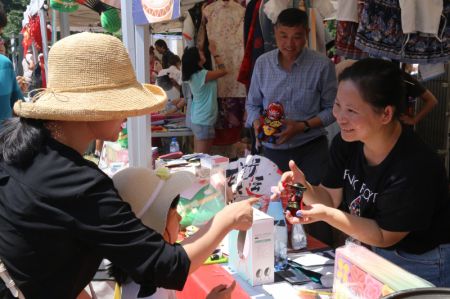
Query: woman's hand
[[310, 214], [239, 214], [221, 291], [295, 175]]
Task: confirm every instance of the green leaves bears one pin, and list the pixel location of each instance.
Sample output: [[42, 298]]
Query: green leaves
[[14, 10]]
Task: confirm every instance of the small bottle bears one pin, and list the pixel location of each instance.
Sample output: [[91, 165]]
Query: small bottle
[[174, 146], [280, 235]]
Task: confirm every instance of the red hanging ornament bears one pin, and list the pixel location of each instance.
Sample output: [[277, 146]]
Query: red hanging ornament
[[26, 41], [35, 31]]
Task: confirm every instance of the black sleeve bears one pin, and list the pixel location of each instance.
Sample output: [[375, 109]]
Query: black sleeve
[[413, 87], [102, 219], [333, 177]]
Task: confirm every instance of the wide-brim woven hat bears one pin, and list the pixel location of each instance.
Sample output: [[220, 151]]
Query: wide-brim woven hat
[[149, 195], [91, 78]]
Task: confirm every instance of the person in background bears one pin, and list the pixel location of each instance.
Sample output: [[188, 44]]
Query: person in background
[[162, 49], [304, 82], [172, 76], [60, 215], [161, 215], [415, 90], [28, 66], [203, 85], [10, 91], [155, 65], [383, 186]]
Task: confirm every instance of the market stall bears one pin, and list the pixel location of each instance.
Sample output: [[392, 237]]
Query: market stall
[[349, 276]]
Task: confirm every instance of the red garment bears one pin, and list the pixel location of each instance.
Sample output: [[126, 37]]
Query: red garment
[[245, 71]]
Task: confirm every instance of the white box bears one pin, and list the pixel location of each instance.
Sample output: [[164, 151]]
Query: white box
[[251, 253]]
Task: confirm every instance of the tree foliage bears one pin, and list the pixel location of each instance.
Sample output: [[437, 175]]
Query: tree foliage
[[14, 10]]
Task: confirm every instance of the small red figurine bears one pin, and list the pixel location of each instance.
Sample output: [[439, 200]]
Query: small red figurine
[[271, 122], [295, 201]]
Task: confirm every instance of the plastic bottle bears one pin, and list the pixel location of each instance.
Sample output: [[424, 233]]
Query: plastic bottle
[[174, 146], [280, 234]]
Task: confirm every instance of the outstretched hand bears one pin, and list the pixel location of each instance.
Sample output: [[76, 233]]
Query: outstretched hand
[[240, 213], [221, 291]]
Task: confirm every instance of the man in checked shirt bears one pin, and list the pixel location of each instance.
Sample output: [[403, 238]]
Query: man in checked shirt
[[304, 82]]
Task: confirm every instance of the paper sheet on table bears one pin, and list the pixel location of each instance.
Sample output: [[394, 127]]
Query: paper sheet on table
[[313, 260], [281, 290]]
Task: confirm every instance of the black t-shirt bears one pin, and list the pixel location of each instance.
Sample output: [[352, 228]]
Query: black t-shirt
[[406, 192], [62, 215]]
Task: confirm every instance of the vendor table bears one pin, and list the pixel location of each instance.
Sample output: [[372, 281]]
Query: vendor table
[[202, 281]]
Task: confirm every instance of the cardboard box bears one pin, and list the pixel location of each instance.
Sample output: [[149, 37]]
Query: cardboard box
[[251, 253]]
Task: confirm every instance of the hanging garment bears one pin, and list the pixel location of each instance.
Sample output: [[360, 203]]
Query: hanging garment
[[225, 21], [347, 10], [273, 8], [380, 34], [345, 38], [189, 32], [254, 43], [266, 29], [230, 120], [421, 16]]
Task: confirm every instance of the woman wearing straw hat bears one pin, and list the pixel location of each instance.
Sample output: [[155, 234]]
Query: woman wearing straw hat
[[59, 214]]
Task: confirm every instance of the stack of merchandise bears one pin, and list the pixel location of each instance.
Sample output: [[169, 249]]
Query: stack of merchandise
[[360, 273]]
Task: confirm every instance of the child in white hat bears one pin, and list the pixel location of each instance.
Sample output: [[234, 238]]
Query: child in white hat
[[154, 198]]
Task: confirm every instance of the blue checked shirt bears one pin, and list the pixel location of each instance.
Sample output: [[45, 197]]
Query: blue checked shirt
[[307, 91]]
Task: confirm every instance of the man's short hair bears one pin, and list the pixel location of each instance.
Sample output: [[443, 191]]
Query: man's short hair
[[3, 17], [292, 17]]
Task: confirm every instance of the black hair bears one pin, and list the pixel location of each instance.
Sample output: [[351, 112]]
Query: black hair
[[174, 60], [292, 17], [3, 16], [21, 139], [175, 202], [380, 83], [189, 62], [161, 43]]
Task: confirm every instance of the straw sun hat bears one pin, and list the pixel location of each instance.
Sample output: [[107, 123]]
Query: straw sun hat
[[90, 78], [149, 195]]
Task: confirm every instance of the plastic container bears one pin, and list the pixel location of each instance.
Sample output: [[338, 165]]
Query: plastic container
[[174, 146], [275, 210]]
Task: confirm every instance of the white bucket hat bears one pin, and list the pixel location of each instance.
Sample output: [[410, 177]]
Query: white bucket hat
[[149, 195], [90, 78]]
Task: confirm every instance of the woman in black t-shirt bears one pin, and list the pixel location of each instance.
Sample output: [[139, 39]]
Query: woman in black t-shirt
[[383, 185]]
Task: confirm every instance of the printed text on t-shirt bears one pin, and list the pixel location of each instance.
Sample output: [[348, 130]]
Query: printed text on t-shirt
[[364, 190]]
